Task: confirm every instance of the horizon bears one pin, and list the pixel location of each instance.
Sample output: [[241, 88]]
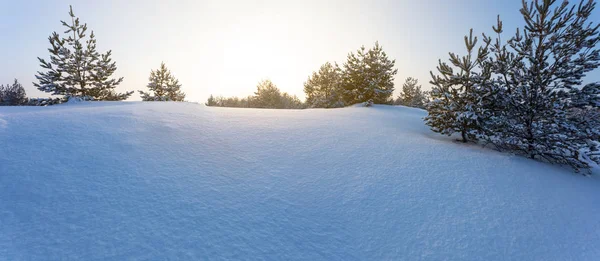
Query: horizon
[[225, 48], [496, 158]]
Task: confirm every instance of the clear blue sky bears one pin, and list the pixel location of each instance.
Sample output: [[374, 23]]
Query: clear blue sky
[[225, 47]]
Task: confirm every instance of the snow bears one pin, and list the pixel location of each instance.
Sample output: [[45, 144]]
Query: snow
[[165, 181]]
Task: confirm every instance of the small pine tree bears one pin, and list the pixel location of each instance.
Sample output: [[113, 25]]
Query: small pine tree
[[456, 94], [323, 87], [75, 68], [211, 101], [163, 86], [267, 95], [411, 95], [368, 75], [12, 95]]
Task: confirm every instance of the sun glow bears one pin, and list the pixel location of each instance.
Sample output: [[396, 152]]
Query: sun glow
[[255, 49]]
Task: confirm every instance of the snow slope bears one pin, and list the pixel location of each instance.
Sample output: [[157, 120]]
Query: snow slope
[[167, 181]]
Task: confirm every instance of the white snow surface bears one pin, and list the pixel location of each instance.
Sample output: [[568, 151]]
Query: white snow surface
[[181, 181]]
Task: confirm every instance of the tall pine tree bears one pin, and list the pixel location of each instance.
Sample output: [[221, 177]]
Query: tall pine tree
[[541, 69], [163, 86], [368, 76], [323, 87], [76, 68]]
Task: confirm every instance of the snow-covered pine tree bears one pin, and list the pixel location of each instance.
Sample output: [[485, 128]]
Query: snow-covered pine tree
[[323, 87], [368, 75], [541, 72], [584, 115], [492, 100], [455, 95], [76, 68], [426, 98], [411, 94], [12, 95], [163, 86], [440, 110]]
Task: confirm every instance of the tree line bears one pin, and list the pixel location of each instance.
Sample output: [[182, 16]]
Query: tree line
[[77, 70], [367, 76], [267, 95], [523, 93]]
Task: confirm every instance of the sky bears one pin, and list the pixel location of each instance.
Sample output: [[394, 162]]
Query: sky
[[225, 47]]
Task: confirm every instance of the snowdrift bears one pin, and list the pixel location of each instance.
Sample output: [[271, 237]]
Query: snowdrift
[[158, 181]]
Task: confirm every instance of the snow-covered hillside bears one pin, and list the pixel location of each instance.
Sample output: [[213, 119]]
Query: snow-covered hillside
[[167, 181]]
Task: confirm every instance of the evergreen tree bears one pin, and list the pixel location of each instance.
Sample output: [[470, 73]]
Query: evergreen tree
[[76, 68], [492, 97], [411, 95], [541, 69], [584, 115], [266, 99], [211, 101], [12, 95], [163, 86], [268, 95], [454, 108], [323, 87], [291, 101], [368, 75]]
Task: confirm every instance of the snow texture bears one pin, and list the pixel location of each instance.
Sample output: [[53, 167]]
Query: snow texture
[[167, 181]]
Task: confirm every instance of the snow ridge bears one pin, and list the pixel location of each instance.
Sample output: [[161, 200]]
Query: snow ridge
[[162, 180]]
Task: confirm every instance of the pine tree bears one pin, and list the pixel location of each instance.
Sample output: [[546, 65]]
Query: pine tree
[[268, 95], [12, 95], [163, 86], [211, 101], [76, 68], [584, 115], [368, 75], [454, 108], [291, 101], [411, 95], [492, 99], [323, 87], [540, 69]]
